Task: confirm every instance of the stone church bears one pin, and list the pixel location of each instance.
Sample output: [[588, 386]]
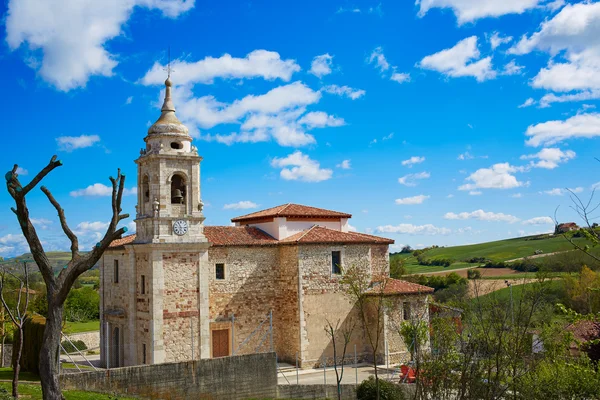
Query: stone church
[[178, 290]]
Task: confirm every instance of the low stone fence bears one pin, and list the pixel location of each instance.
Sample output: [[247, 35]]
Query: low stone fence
[[315, 392], [91, 339], [236, 377]]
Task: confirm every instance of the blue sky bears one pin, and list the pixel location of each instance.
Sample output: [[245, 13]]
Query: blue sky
[[436, 122]]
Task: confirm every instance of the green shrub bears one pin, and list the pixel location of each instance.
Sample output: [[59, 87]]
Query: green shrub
[[72, 348], [474, 274], [367, 390], [33, 333], [82, 305]]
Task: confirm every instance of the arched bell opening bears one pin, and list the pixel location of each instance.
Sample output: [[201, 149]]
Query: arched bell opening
[[178, 189]]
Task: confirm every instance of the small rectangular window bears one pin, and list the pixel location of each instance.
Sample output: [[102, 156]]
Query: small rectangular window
[[143, 284], [116, 272], [336, 262], [143, 353], [220, 271], [406, 310]]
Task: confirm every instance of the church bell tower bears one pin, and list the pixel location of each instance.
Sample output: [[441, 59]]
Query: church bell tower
[[169, 206]]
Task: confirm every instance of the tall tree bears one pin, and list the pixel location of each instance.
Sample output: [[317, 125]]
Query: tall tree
[[332, 332], [58, 286], [17, 315]]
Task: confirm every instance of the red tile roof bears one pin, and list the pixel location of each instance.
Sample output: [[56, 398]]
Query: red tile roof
[[396, 286], [318, 234], [238, 236], [123, 241], [252, 236], [585, 331], [292, 210]]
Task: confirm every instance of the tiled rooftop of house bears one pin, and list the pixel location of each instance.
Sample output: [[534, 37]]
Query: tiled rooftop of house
[[292, 210], [396, 286], [251, 236]]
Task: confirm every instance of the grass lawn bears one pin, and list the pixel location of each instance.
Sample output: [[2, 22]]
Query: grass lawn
[[6, 374], [34, 392], [528, 275], [77, 327], [503, 295], [501, 250]]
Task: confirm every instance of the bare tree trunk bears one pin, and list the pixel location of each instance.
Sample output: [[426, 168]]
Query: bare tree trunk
[[17, 366], [49, 354]]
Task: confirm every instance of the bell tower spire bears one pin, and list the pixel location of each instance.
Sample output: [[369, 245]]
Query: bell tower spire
[[169, 202]]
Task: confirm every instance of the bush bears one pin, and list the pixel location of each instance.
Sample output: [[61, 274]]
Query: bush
[[82, 305], [477, 260], [72, 348], [33, 333], [367, 390], [474, 274], [455, 293]]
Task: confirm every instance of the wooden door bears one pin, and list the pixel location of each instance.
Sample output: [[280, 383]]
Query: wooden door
[[220, 343]]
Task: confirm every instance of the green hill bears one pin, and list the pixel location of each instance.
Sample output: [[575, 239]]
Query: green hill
[[501, 250], [58, 259]]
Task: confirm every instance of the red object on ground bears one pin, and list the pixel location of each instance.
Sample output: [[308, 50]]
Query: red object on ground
[[408, 374]]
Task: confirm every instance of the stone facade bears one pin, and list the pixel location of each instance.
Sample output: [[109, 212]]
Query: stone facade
[[178, 290]]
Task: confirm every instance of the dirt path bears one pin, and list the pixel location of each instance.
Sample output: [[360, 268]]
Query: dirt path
[[485, 286], [537, 256]]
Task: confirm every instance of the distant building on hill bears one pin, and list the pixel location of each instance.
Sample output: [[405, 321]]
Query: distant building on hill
[[566, 227]]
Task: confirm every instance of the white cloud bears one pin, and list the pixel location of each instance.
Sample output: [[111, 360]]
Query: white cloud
[[70, 143], [549, 158], [410, 229], [450, 196], [472, 10], [529, 102], [320, 119], [354, 10], [560, 192], [274, 115], [465, 156], [378, 58], [67, 38], [550, 98], [21, 171], [516, 196], [512, 68], [344, 91], [321, 65], [551, 132], [461, 60], [410, 179], [496, 39], [388, 137], [498, 176], [400, 77], [240, 205], [98, 189], [129, 100], [302, 168], [475, 193], [95, 226], [482, 216], [257, 64], [572, 34], [413, 160], [412, 200], [344, 165], [352, 228], [538, 221]]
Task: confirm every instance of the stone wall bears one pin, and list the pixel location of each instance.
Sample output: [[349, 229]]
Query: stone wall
[[316, 392], [398, 351], [91, 339], [180, 306], [248, 292], [287, 314], [238, 377]]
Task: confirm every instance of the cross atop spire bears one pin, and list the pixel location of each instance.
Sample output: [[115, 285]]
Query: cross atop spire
[[168, 67]]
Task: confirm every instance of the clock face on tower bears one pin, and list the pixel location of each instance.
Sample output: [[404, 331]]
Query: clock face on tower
[[180, 227]]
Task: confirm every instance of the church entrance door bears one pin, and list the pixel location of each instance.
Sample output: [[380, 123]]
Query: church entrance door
[[220, 343]]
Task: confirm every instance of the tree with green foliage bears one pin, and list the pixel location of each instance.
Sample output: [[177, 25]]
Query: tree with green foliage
[[333, 332], [82, 305], [397, 267], [59, 285]]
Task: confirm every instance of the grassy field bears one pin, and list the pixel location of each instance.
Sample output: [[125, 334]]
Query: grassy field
[[501, 250], [77, 327], [517, 291], [34, 392]]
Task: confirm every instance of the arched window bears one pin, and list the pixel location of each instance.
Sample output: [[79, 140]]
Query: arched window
[[178, 189], [145, 189]]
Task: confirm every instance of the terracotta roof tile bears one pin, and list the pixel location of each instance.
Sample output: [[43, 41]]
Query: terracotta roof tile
[[123, 241], [319, 234], [238, 236], [585, 331], [397, 286], [292, 210]]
